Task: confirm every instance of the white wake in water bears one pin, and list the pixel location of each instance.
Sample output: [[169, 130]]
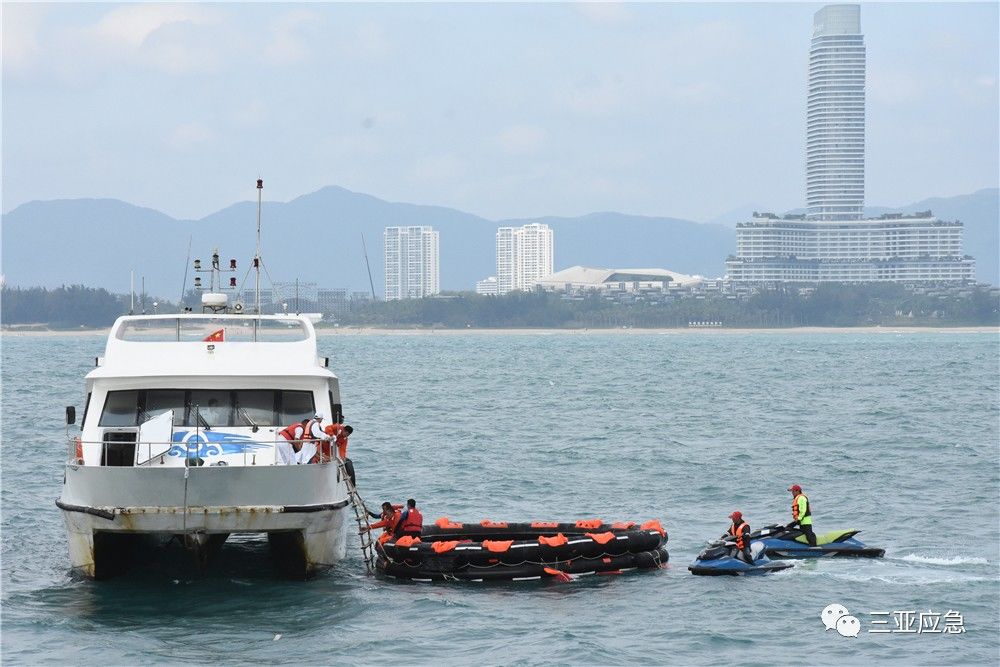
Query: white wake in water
[[955, 560]]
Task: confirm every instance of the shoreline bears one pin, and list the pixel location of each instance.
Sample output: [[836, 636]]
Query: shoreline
[[378, 331]]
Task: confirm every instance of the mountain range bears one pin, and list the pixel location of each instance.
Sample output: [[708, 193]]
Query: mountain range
[[318, 238]]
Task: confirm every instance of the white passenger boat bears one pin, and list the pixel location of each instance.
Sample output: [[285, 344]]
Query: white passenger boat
[[180, 437]]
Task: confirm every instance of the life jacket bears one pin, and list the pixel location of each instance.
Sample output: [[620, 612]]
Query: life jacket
[[413, 523], [737, 532], [388, 522], [288, 433], [795, 509], [307, 426]]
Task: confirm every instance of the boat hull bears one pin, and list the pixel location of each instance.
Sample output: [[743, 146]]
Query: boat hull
[[303, 510]]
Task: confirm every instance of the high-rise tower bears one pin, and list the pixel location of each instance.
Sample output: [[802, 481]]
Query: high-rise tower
[[412, 264], [524, 256], [835, 116]]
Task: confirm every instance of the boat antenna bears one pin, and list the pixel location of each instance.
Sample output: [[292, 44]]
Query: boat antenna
[[187, 262], [131, 291], [371, 283], [256, 257]]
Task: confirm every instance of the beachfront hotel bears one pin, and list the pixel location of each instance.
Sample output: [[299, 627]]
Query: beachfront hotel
[[412, 262], [524, 256], [832, 242], [894, 247]]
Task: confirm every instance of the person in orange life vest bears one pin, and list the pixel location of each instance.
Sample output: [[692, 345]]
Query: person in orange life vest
[[739, 531], [390, 519], [802, 514], [339, 432], [298, 443], [411, 522]]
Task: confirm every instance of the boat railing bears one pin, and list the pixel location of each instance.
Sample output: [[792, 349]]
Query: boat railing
[[196, 452]]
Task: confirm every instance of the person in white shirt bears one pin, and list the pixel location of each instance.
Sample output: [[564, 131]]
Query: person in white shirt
[[298, 441]]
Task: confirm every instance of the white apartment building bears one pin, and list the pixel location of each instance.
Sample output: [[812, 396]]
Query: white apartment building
[[835, 116], [524, 256], [412, 262], [894, 247], [487, 286]]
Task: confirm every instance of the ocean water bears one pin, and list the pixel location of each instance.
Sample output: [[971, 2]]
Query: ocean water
[[893, 434]]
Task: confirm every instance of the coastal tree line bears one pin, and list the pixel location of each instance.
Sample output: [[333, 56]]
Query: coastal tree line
[[839, 305], [835, 305]]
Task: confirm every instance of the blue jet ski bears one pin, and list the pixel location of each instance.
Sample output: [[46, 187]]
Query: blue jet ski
[[786, 542], [721, 558]]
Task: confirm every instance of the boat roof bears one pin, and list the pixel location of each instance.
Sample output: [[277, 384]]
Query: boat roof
[[194, 344]]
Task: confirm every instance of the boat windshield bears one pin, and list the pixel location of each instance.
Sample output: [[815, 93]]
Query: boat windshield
[[212, 329], [209, 407]]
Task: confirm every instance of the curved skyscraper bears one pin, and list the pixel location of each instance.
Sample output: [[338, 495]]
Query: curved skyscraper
[[835, 120]]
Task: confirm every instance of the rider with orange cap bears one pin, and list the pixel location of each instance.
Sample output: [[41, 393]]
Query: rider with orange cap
[[739, 531]]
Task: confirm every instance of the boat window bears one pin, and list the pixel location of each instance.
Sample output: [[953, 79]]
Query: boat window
[[86, 409], [201, 329], [214, 406], [296, 406], [217, 407], [159, 401], [255, 404], [121, 408]]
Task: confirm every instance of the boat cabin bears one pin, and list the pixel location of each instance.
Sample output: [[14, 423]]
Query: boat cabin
[[202, 390]]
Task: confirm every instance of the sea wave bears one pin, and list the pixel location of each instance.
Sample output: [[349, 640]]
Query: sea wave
[[954, 560]]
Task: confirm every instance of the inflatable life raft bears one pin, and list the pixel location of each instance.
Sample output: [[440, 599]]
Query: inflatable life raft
[[501, 551]]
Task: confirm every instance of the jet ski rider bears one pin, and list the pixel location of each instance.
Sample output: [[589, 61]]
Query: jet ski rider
[[740, 531], [802, 514]]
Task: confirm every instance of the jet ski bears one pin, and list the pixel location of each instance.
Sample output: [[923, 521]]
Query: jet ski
[[720, 558], [786, 542]]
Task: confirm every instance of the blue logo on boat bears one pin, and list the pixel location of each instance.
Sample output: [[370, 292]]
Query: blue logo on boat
[[212, 443]]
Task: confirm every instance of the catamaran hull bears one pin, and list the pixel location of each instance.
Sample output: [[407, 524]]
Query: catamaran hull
[[307, 530]]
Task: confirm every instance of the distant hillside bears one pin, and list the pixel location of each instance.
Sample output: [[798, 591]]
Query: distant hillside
[[317, 238]]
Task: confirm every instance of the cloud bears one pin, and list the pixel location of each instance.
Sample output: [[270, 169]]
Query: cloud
[[188, 136], [370, 40], [597, 95], [441, 169], [132, 24], [521, 139], [604, 13], [171, 38], [252, 114], [21, 25], [894, 86], [288, 42]]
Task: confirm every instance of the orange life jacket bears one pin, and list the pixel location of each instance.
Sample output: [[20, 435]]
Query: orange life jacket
[[737, 532], [288, 433], [795, 507], [388, 522], [414, 522]]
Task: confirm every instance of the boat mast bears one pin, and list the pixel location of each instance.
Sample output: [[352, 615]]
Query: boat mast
[[256, 258]]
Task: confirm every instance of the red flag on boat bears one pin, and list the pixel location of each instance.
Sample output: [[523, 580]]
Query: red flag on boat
[[216, 336]]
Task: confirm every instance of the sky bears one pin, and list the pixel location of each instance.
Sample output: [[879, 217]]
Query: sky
[[502, 110]]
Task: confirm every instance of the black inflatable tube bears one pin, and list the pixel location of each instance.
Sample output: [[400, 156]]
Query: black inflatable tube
[[577, 546], [443, 570]]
